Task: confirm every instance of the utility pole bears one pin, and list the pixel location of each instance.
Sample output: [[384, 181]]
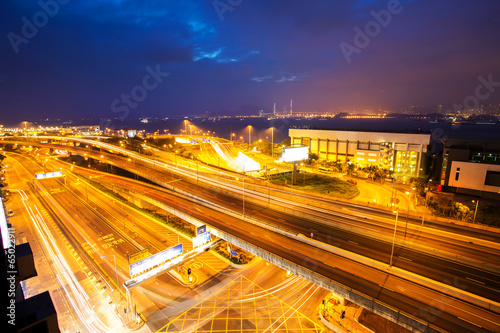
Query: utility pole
[[394, 237]]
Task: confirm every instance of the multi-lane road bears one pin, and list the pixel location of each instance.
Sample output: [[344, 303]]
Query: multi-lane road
[[346, 227]]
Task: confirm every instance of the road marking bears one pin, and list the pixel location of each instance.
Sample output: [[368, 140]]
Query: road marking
[[350, 241], [386, 288], [468, 278], [405, 258], [470, 322]]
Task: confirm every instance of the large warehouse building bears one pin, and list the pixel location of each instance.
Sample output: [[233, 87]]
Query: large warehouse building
[[402, 153]]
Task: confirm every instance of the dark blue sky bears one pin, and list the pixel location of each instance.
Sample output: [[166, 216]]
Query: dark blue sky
[[98, 58]]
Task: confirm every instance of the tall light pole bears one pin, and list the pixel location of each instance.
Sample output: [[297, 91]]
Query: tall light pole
[[475, 211], [272, 142], [407, 212], [243, 189], [116, 271], [249, 128], [394, 237]]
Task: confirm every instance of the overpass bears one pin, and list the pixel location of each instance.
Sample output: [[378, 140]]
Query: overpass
[[377, 293]]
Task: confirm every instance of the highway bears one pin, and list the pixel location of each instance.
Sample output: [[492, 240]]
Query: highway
[[276, 244], [467, 277], [322, 208], [347, 238], [96, 228], [158, 293]]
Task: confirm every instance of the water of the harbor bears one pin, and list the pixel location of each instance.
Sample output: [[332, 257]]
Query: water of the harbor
[[261, 127], [237, 128]]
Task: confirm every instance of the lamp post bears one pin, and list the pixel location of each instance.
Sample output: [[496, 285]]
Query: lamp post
[[475, 211], [243, 176], [116, 271], [407, 212], [394, 237], [272, 142], [249, 128]]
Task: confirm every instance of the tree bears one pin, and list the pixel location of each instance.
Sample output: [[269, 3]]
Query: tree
[[348, 167], [286, 142], [443, 204], [371, 170], [312, 158], [461, 211]]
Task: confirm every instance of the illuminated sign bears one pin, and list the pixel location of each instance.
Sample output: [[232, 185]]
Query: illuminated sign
[[145, 264], [181, 140], [201, 230], [48, 175], [6, 233], [135, 257], [246, 163], [293, 154], [201, 239]]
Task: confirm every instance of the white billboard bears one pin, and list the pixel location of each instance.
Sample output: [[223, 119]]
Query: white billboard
[[48, 175], [293, 154], [247, 164]]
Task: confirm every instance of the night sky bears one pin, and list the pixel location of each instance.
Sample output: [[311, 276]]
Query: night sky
[[117, 58]]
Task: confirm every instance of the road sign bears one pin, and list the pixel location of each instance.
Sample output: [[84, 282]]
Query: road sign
[[234, 253], [154, 260], [135, 257], [201, 239], [48, 175], [201, 230]]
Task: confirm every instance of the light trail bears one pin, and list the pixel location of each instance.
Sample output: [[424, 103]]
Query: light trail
[[77, 296], [262, 293], [293, 307]]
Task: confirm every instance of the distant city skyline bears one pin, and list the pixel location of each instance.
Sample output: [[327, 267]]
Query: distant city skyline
[[105, 60]]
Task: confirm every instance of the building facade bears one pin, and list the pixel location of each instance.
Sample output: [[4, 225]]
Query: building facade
[[471, 166], [474, 178], [402, 153]]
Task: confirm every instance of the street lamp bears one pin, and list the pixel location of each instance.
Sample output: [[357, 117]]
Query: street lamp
[[116, 271], [249, 128], [408, 212], [272, 142], [243, 176], [394, 237], [475, 211]]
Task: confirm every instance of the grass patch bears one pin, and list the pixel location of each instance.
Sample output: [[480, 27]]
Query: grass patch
[[221, 249], [321, 184]]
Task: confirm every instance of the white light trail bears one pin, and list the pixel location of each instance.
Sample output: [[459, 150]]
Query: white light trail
[[67, 281], [292, 308]]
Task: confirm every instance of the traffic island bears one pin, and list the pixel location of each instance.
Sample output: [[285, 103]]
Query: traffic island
[[340, 315], [184, 276], [236, 258]]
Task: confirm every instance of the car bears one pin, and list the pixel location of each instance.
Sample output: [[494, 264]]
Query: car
[[10, 213], [352, 181]]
